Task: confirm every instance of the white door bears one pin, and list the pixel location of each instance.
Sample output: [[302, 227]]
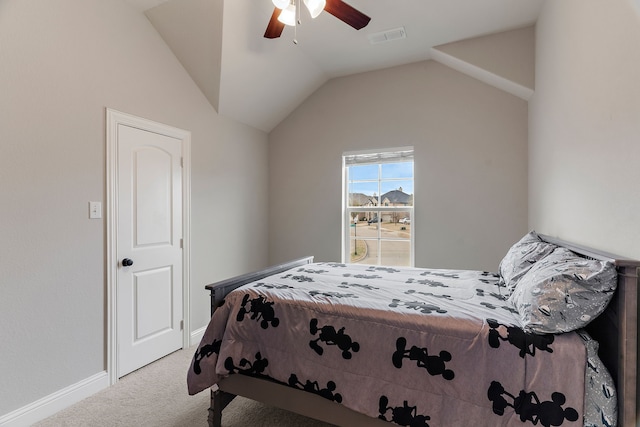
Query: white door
[[149, 247]]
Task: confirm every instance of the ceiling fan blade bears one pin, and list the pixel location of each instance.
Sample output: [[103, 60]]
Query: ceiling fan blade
[[275, 27], [347, 14]]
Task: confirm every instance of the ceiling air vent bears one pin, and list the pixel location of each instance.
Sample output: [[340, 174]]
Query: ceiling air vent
[[387, 36]]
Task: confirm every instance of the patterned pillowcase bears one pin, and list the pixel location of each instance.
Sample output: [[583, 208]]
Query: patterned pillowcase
[[601, 397], [521, 257], [563, 292]]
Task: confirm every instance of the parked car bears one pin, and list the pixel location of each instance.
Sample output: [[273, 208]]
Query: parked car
[[405, 221], [373, 220]]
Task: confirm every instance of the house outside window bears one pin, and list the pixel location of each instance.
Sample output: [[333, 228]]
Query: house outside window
[[378, 207]]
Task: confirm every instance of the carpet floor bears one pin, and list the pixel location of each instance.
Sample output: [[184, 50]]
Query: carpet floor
[[156, 395]]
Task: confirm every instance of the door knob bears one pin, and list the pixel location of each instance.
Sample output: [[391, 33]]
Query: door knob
[[127, 262]]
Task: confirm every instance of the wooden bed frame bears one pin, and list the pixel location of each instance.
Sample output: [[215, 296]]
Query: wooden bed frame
[[615, 330]]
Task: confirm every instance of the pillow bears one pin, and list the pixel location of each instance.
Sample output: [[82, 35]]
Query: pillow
[[563, 292], [521, 256], [600, 387]]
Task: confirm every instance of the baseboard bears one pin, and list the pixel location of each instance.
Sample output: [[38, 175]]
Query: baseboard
[[61, 399], [196, 336]]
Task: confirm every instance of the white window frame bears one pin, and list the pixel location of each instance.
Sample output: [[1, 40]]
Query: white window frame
[[375, 156]]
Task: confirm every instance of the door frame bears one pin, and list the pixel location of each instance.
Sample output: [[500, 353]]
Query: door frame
[[113, 120]]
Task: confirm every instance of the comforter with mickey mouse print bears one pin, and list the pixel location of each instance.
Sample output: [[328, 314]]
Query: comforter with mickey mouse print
[[416, 347]]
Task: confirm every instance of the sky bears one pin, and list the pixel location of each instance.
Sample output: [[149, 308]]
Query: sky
[[379, 179]]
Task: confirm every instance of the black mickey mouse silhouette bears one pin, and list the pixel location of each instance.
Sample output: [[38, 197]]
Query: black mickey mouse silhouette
[[347, 285], [299, 279], [489, 305], [335, 264], [495, 307], [435, 365], [432, 283], [495, 396], [205, 351], [481, 293], [330, 336], [255, 368], [386, 269], [527, 343], [417, 305], [490, 274], [438, 274], [311, 271], [429, 294], [362, 276], [528, 406], [271, 286], [260, 310], [314, 387], [404, 415], [332, 294]]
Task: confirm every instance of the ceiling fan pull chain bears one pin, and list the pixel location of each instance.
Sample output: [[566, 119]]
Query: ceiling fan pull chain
[[295, 28]]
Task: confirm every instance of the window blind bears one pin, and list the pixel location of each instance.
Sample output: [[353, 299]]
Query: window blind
[[397, 155]]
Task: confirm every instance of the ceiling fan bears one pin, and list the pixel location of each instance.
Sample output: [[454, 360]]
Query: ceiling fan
[[285, 14]]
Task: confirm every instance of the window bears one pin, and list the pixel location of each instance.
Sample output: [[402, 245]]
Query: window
[[378, 207]]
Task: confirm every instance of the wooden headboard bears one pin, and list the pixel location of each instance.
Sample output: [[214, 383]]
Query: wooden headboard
[[617, 329]]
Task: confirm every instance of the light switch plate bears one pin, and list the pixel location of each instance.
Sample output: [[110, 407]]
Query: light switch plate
[[95, 210]]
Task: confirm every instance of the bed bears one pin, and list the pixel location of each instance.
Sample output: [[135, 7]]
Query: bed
[[357, 345]]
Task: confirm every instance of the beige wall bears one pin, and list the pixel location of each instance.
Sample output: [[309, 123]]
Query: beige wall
[[470, 144], [193, 31], [584, 140], [61, 63], [509, 54]]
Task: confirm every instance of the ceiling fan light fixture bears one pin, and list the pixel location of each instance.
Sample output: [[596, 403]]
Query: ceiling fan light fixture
[[288, 15], [315, 6], [281, 4]]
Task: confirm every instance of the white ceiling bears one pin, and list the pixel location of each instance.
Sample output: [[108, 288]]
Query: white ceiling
[[263, 80]]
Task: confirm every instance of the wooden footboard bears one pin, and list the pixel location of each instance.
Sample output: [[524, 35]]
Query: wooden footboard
[[616, 330], [219, 398]]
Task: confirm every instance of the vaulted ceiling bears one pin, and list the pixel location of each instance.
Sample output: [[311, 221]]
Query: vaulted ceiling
[[259, 81]]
